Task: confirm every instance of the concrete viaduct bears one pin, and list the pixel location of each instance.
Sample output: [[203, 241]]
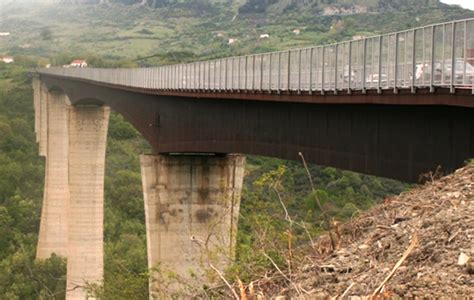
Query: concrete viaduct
[[397, 105]]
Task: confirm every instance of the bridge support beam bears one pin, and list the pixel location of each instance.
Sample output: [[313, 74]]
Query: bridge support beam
[[73, 140], [87, 142], [191, 208]]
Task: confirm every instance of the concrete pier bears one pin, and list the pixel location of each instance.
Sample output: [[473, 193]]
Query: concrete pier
[[54, 136], [73, 140], [87, 142], [191, 209], [36, 103]]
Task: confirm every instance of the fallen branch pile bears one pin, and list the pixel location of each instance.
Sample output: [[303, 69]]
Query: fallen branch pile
[[418, 244]]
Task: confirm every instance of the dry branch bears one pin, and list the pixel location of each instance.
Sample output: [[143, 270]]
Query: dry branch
[[414, 242]]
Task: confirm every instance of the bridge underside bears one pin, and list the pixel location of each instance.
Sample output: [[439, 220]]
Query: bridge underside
[[395, 141]]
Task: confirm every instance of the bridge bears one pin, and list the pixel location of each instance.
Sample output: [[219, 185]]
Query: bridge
[[396, 105]]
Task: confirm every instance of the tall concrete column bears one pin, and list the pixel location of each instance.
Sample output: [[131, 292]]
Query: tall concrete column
[[191, 209], [54, 119], [36, 103], [87, 142], [42, 134]]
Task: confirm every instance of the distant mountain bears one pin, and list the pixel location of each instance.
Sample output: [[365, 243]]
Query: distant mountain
[[327, 7], [334, 7], [149, 3]]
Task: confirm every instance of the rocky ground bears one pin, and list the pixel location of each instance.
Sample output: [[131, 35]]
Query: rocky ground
[[418, 244]]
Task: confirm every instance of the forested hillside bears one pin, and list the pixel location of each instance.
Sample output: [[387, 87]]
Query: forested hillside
[[132, 34]]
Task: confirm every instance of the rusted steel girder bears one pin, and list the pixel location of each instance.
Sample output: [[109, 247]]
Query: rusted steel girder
[[413, 135]]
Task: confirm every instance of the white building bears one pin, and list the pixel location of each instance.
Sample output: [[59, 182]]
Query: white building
[[7, 59], [231, 41], [296, 31], [4, 33], [78, 63], [358, 37], [264, 36]]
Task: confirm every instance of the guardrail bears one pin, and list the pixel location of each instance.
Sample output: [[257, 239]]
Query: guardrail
[[438, 55]]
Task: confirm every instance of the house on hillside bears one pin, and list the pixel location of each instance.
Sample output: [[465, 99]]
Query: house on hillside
[[231, 41], [4, 34], [358, 37], [264, 36], [297, 31], [78, 63], [7, 59]]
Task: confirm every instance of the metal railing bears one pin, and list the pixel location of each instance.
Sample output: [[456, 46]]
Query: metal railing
[[438, 55]]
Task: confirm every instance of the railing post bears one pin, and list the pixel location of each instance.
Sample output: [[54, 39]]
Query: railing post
[[176, 77], [192, 76], [181, 76], [349, 75], [423, 55], [160, 77], [432, 89], [310, 87], [170, 78], [246, 72], [323, 69], [214, 83], [443, 62], [238, 74], [200, 86], [336, 57], [464, 81], [379, 88], [261, 72], [188, 76], [196, 76], [232, 74], [364, 71], [405, 70], [161, 71], [453, 57], [225, 74], [270, 73], [219, 77], [253, 73], [395, 71], [299, 72], [156, 79], [413, 72], [279, 73], [289, 71], [173, 71], [209, 75]]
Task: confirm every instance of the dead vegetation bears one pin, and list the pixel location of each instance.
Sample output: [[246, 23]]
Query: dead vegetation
[[418, 244]]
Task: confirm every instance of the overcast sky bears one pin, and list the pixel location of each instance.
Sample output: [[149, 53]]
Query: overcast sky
[[464, 3]]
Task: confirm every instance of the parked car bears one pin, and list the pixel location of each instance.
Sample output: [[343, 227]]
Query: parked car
[[423, 72], [463, 72], [373, 79]]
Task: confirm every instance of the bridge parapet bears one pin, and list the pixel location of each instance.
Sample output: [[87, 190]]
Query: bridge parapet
[[437, 55]]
